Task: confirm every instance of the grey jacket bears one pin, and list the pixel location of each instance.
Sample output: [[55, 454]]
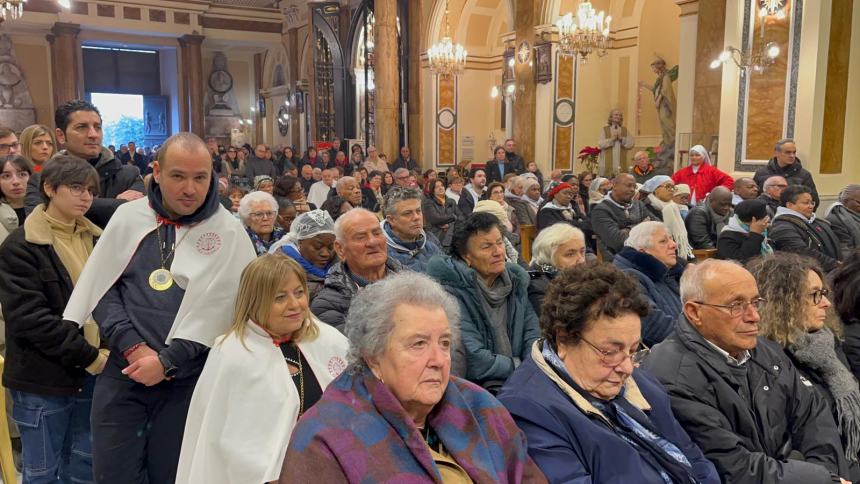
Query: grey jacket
[[704, 226], [612, 224]]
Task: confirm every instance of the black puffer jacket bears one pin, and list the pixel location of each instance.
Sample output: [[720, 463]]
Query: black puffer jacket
[[792, 234], [332, 302], [749, 442], [794, 174]]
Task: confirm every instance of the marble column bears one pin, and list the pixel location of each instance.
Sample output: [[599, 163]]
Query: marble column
[[525, 18], [65, 63], [414, 137], [387, 79], [258, 85], [291, 44], [192, 55]]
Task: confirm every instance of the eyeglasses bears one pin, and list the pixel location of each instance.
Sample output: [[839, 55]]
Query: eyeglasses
[[614, 358], [77, 190], [10, 146], [262, 215], [671, 188], [818, 295], [8, 175], [738, 307]]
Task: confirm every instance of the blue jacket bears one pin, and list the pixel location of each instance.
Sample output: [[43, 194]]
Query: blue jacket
[[660, 285], [483, 363], [411, 255], [570, 440]]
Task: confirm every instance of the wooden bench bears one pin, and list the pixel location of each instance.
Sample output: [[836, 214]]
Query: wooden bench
[[703, 254], [527, 238]]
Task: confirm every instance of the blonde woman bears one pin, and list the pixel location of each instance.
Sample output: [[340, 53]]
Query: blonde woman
[[38, 145], [259, 378], [797, 314]]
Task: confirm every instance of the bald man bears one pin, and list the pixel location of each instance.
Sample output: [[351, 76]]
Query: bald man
[[844, 218], [705, 221], [738, 395], [745, 189]]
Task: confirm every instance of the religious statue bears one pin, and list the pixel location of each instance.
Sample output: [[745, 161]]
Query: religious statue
[[664, 100], [614, 143], [16, 105]]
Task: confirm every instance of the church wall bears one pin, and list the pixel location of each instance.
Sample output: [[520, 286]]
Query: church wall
[[659, 34]]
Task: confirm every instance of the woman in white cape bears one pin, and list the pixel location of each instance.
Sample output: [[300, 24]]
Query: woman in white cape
[[259, 378]]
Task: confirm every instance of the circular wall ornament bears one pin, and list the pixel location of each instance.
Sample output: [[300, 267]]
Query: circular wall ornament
[[220, 81], [564, 112], [283, 124], [446, 118], [524, 52]]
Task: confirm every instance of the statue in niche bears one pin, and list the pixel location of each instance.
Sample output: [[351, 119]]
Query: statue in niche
[[220, 100], [16, 104], [614, 143], [664, 100]]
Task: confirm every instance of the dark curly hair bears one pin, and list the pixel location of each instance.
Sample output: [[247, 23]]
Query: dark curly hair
[[333, 205], [846, 289], [578, 297], [284, 185], [64, 112], [465, 230]]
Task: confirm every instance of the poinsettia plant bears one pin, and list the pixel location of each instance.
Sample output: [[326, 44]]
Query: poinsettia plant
[[653, 151], [588, 157]]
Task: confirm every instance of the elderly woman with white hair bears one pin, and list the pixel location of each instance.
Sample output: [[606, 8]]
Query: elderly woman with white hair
[[555, 249], [397, 413], [514, 193], [258, 211], [657, 195], [310, 242], [649, 255]]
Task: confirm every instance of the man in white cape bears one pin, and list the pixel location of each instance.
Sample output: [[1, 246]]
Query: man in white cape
[[161, 284]]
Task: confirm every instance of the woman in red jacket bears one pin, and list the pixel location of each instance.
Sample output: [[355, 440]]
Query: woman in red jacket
[[701, 175]]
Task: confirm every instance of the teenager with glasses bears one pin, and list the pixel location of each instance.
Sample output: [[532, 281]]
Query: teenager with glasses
[[799, 316], [738, 394], [588, 412]]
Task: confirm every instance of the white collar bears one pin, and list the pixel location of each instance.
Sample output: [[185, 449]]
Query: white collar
[[745, 355]]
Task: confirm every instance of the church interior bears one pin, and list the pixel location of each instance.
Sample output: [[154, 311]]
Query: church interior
[[733, 76]]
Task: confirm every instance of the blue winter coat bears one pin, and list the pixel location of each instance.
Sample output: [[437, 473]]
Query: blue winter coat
[[483, 363], [660, 285], [572, 442], [412, 256]]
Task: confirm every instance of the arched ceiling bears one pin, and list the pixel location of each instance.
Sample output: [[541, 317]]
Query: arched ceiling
[[477, 24]]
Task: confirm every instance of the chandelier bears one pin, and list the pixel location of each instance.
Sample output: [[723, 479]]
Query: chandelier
[[772, 7], [12, 9], [586, 33], [445, 57], [755, 61]]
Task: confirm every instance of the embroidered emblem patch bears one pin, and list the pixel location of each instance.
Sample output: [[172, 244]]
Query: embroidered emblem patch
[[336, 365], [208, 243]]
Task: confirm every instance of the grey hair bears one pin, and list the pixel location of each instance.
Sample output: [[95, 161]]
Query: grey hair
[[397, 194], [369, 322], [516, 180], [550, 239], [771, 180], [778, 146], [342, 181], [642, 234], [848, 190], [695, 275], [400, 171], [348, 216], [251, 198], [638, 153]]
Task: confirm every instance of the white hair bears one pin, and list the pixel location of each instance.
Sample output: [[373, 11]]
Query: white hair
[[642, 235], [550, 239], [370, 322], [348, 216], [515, 181], [696, 275], [343, 181], [252, 198]]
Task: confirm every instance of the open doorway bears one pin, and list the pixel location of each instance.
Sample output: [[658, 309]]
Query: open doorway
[[122, 117]]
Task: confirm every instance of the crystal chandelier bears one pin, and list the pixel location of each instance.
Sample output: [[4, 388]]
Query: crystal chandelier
[[12, 9], [586, 33], [445, 57], [755, 61], [772, 7]]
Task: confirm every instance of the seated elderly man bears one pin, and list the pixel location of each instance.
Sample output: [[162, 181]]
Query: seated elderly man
[[844, 218], [612, 218], [258, 211], [705, 221], [360, 247], [403, 227], [739, 396], [771, 191], [397, 414], [349, 188], [745, 189], [589, 414], [795, 228], [649, 255]]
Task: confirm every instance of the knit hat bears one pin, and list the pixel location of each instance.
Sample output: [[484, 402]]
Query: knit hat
[[653, 183], [557, 188], [682, 189], [493, 208]]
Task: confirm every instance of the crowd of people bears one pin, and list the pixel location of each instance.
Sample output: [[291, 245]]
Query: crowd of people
[[233, 315]]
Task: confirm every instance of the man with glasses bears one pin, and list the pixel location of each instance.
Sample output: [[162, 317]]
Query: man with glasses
[[737, 395], [401, 177], [9, 145], [844, 218], [771, 191], [786, 164]]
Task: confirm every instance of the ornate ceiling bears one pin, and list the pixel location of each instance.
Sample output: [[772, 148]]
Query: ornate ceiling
[[248, 3]]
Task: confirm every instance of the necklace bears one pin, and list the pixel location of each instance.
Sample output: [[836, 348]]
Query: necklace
[[161, 279], [297, 362]]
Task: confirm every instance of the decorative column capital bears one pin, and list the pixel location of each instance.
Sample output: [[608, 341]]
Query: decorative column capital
[[191, 39], [62, 28]]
